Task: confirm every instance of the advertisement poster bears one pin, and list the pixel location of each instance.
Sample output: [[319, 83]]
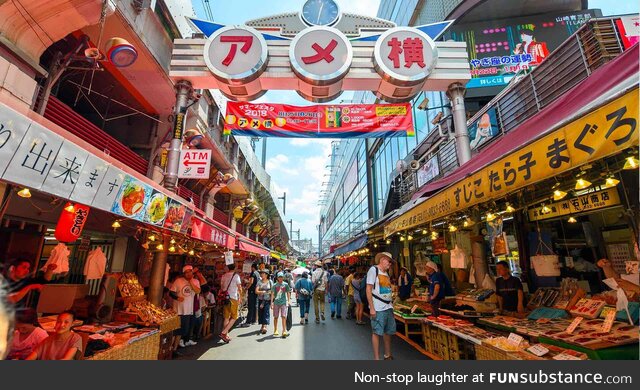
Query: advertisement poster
[[130, 202], [483, 129], [319, 121], [175, 216], [499, 49], [156, 209], [428, 171]]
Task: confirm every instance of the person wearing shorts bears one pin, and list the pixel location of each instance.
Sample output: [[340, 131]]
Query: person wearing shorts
[[357, 285], [383, 324], [280, 298], [232, 284]]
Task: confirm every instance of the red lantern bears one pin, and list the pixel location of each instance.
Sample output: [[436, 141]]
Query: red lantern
[[71, 222]]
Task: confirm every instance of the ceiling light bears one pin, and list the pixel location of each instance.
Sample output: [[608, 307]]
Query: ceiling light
[[509, 209], [192, 252], [581, 184], [172, 248], [69, 207], [115, 224], [401, 238], [572, 220], [424, 231], [152, 237], [173, 241], [490, 217], [611, 181], [452, 228], [160, 247], [375, 245], [25, 193], [631, 163], [434, 235], [410, 238], [545, 209], [388, 242], [559, 195]]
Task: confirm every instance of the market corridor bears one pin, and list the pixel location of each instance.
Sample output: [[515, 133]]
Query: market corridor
[[331, 340]]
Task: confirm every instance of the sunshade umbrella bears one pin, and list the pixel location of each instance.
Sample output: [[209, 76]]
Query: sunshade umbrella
[[300, 271]]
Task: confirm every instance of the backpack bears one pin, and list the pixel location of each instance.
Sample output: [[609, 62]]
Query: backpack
[[303, 291], [374, 287], [319, 281], [223, 295]]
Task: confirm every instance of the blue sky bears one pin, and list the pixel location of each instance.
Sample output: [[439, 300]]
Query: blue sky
[[297, 166]]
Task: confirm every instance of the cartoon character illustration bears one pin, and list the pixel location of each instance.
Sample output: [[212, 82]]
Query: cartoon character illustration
[[529, 45], [483, 131]]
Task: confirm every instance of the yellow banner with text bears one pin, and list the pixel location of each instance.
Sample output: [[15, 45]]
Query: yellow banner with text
[[600, 133]]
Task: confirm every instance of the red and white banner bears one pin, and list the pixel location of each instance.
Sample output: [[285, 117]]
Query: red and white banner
[[206, 231], [319, 121]]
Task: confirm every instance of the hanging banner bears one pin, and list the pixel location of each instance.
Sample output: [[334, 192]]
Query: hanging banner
[[208, 232], [585, 203], [601, 133], [319, 121], [71, 222]]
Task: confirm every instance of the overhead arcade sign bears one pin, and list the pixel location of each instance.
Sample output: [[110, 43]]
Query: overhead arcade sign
[[320, 57]]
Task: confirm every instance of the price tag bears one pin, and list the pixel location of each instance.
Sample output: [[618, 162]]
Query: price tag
[[608, 321], [564, 356], [574, 324], [514, 339], [538, 350]]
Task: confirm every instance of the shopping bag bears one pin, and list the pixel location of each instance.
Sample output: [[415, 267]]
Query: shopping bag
[[546, 265], [289, 318]]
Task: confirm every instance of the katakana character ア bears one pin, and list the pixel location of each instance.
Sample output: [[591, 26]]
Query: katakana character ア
[[475, 191], [70, 167], [556, 159], [41, 154], [527, 165], [494, 178], [246, 41], [508, 173], [475, 62], [113, 185], [456, 194], [321, 53], [92, 177], [578, 142], [5, 136], [619, 122], [413, 52]]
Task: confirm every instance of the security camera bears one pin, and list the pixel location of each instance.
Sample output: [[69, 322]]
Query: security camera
[[437, 118], [423, 104]]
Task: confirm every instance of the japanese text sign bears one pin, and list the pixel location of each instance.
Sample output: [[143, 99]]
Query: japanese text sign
[[207, 232], [194, 164], [236, 53], [588, 202], [320, 55], [71, 223], [601, 133], [404, 55], [320, 121]]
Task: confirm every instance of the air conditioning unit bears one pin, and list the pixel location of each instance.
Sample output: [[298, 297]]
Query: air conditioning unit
[[414, 165]]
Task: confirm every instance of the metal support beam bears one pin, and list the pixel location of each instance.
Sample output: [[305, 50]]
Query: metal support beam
[[183, 93], [455, 93], [156, 279]]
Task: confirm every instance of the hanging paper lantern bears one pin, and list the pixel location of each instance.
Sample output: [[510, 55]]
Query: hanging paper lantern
[[71, 222]]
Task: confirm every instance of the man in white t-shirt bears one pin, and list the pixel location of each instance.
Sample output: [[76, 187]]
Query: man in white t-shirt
[[380, 304], [186, 287], [232, 284], [319, 278]]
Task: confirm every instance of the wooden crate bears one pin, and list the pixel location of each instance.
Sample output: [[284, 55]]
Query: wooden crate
[[489, 352]]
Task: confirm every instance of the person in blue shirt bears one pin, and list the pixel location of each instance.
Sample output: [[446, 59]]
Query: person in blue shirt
[[304, 289], [439, 287]]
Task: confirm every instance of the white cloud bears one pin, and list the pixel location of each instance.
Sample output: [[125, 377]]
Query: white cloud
[[280, 162]]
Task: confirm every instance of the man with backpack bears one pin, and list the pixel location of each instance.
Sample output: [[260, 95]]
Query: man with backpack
[[380, 305], [319, 279], [304, 289]]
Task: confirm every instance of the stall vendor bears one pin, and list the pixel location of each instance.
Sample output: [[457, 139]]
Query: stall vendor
[[439, 287], [20, 283], [508, 289], [405, 284]]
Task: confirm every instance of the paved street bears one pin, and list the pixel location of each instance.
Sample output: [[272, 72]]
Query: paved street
[[329, 340]]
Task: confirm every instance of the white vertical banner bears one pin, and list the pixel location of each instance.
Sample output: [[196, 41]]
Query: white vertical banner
[[13, 127], [109, 189], [34, 157], [91, 176], [65, 171]]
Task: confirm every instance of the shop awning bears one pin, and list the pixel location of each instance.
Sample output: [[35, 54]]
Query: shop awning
[[595, 87], [213, 232], [38, 154], [543, 146], [352, 245], [248, 245]]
